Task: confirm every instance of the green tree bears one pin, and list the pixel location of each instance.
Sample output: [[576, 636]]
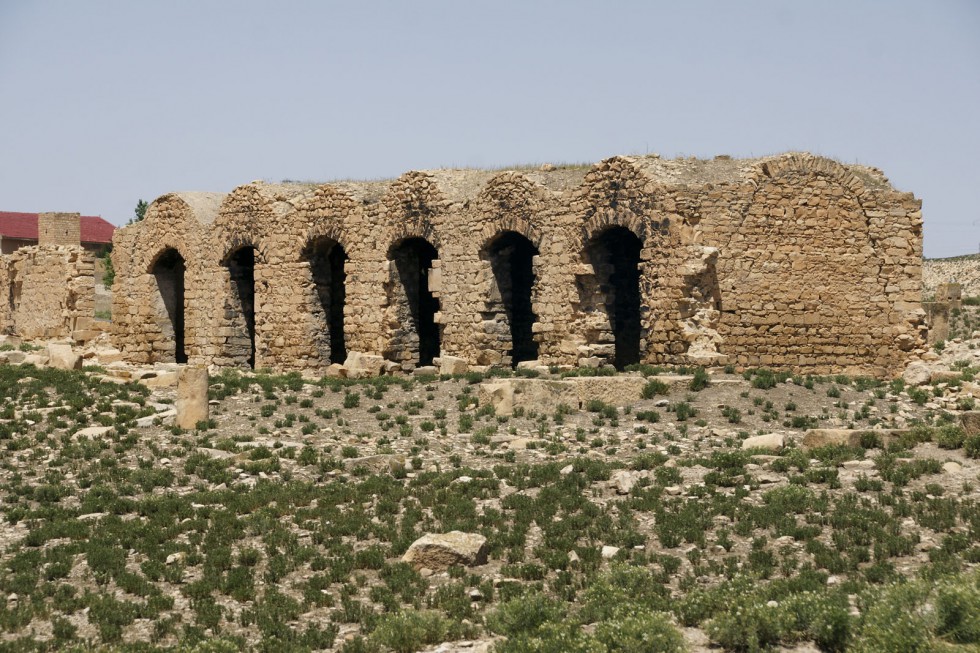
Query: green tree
[[139, 213]]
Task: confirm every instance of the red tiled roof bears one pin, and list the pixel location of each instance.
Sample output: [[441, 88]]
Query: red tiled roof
[[24, 226]]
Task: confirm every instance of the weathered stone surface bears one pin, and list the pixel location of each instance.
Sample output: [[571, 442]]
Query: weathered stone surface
[[623, 481], [161, 380], [540, 394], [614, 390], [439, 551], [360, 365], [917, 373], [453, 365], [12, 357], [768, 441], [790, 261], [849, 437], [971, 421], [93, 431], [192, 396], [63, 357], [50, 287]]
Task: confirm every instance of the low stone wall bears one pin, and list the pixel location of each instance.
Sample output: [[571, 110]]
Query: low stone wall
[[49, 291], [791, 261]]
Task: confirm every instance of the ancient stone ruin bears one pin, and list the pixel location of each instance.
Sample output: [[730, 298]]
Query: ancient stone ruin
[[49, 288], [790, 261]]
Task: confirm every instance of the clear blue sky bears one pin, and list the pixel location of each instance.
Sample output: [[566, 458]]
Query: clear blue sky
[[106, 102]]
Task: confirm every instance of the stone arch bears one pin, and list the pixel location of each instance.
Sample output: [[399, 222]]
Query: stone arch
[[412, 206], [168, 270], [326, 258], [238, 316], [508, 316], [808, 253], [142, 325], [412, 290], [805, 163], [611, 293]]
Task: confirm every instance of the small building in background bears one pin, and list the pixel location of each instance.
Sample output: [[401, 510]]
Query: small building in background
[[21, 230]]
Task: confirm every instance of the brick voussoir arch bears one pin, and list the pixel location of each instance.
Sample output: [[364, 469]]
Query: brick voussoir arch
[[802, 162], [325, 215], [511, 202], [615, 193], [412, 205]]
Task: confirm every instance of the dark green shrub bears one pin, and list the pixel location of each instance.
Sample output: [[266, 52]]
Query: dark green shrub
[[700, 381], [655, 387]]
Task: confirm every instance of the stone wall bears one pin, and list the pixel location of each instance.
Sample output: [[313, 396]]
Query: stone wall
[[59, 229], [789, 261], [49, 291]]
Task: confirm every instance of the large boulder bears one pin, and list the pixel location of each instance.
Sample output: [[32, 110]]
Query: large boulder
[[917, 373], [63, 357], [768, 441], [440, 551]]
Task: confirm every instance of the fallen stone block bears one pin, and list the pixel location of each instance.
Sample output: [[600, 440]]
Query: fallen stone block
[[614, 390], [63, 358], [337, 371], [767, 441], [360, 365], [453, 365], [440, 551], [539, 394], [12, 357], [93, 431], [161, 380]]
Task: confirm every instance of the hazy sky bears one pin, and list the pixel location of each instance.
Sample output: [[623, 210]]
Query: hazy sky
[[106, 102]]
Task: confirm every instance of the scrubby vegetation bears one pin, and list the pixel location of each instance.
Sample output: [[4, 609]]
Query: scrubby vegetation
[[279, 523]]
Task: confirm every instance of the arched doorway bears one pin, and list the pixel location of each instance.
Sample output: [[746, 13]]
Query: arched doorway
[[415, 341], [508, 310], [168, 270], [615, 258], [327, 258], [241, 272]]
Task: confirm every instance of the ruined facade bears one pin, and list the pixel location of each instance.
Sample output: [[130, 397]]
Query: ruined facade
[[48, 289], [791, 261]]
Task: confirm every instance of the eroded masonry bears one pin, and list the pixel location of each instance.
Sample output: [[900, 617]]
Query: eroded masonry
[[789, 261]]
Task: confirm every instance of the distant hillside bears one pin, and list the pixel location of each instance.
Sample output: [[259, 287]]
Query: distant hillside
[[959, 269]]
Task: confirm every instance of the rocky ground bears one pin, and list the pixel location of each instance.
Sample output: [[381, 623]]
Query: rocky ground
[[685, 509], [964, 270]]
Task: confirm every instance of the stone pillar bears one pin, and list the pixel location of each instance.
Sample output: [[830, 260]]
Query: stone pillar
[[59, 229], [192, 395], [937, 317]]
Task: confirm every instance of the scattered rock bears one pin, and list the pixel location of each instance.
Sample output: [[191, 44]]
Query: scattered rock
[[609, 552], [769, 441], [62, 357], [623, 481], [440, 551], [970, 420], [917, 373], [952, 467], [93, 431]]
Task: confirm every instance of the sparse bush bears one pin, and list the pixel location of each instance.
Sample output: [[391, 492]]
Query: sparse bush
[[655, 387]]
